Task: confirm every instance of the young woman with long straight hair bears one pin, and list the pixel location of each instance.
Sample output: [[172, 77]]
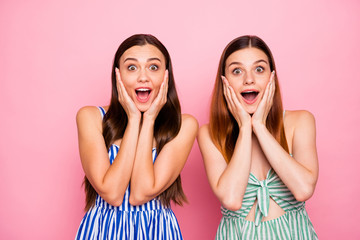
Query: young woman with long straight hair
[[261, 161], [133, 150]]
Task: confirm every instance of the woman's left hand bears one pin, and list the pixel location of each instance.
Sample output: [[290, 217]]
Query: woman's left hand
[[160, 99], [261, 114]]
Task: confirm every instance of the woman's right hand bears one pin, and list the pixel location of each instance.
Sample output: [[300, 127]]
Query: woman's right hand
[[126, 102], [241, 116]]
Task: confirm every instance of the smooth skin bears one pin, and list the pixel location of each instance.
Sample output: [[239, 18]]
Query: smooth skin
[[256, 150], [140, 66]]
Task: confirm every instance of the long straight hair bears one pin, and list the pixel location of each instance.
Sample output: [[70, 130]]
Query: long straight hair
[[223, 127], [167, 124]]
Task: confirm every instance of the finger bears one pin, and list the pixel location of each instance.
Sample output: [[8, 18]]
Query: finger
[[268, 88], [166, 87], [224, 87], [265, 96], [233, 96], [233, 99], [118, 85], [163, 93], [160, 94], [166, 76], [123, 93], [227, 97], [227, 91], [272, 88]]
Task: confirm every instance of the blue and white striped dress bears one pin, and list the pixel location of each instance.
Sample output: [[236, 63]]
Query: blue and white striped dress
[[151, 220]]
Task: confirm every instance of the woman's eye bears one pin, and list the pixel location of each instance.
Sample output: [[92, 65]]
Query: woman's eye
[[153, 67], [259, 69], [237, 71], [132, 68]]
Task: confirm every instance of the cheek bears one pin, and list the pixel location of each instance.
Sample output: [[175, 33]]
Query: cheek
[[262, 81], [157, 80], [127, 79], [235, 83]]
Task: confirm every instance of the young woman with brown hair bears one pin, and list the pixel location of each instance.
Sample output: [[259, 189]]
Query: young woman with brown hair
[[261, 161], [133, 150]]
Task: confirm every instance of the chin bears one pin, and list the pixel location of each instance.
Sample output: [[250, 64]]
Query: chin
[[251, 109], [142, 107]]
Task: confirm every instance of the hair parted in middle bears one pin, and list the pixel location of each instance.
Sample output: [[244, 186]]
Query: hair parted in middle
[[167, 124], [223, 127]]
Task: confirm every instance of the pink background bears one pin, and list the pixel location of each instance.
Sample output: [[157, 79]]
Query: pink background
[[56, 57]]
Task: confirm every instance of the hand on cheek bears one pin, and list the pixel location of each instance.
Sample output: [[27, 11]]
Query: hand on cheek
[[263, 109], [160, 99], [234, 105], [126, 102]]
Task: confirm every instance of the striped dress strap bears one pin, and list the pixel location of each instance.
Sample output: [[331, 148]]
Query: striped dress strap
[[102, 111]]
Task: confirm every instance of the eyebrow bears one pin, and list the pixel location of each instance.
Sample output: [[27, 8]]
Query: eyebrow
[[149, 59], [239, 63]]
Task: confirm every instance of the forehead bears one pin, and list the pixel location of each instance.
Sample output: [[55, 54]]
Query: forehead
[[143, 53], [247, 56]]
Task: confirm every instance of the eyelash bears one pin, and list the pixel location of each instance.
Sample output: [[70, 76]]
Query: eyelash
[[131, 67], [262, 69], [236, 70], [151, 66]]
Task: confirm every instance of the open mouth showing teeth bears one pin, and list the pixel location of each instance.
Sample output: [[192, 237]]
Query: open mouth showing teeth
[[142, 93], [249, 95]]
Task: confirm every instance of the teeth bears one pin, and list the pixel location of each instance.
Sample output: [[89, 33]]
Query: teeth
[[143, 89], [249, 92]]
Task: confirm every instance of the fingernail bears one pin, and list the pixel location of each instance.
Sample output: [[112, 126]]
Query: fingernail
[[222, 78]]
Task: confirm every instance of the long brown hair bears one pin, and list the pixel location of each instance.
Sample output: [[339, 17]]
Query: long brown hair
[[223, 127], [167, 124]]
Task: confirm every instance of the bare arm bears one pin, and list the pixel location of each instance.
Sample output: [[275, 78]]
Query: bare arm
[[148, 180], [109, 181], [300, 172], [228, 181]]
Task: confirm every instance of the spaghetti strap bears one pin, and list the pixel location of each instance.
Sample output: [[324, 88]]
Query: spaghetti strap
[[102, 111], [151, 220]]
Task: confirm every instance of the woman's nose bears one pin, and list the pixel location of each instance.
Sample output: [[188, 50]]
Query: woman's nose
[[249, 79], [143, 77]]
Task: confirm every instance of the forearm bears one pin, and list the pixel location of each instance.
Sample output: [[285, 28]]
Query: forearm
[[143, 177], [232, 183], [300, 180], [118, 175]]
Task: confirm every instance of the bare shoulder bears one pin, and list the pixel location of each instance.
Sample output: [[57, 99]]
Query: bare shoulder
[[299, 117], [89, 115], [189, 122], [204, 130], [299, 120]]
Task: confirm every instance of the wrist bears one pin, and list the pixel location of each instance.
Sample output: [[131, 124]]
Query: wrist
[[134, 120], [258, 127], [244, 125], [149, 117], [148, 120]]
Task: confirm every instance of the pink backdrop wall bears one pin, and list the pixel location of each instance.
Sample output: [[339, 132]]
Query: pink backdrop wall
[[56, 57]]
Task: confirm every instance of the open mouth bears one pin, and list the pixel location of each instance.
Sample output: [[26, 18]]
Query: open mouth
[[249, 96], [143, 94]]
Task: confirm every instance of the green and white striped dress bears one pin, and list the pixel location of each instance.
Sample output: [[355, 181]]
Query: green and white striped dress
[[294, 224]]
